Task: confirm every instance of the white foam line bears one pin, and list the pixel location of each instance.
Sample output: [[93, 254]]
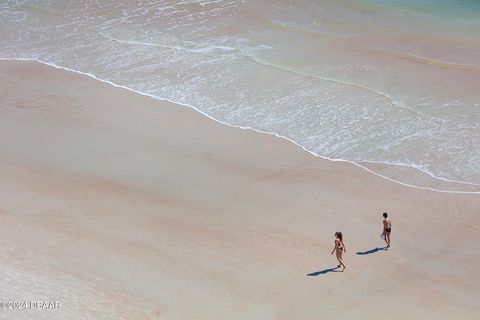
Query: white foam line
[[204, 3], [259, 131], [419, 169], [336, 81], [146, 44]]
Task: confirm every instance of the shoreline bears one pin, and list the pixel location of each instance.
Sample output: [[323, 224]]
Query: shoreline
[[126, 207], [411, 173]]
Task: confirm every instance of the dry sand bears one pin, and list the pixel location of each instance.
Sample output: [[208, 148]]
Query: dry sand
[[120, 206]]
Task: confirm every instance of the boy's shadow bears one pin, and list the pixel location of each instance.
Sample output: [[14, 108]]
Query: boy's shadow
[[362, 253], [317, 273]]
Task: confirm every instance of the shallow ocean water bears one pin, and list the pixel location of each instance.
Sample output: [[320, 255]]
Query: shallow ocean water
[[395, 82]]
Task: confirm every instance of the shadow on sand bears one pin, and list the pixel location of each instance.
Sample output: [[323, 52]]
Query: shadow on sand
[[371, 251], [317, 273]]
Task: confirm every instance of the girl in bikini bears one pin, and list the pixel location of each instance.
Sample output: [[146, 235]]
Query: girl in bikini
[[339, 248], [387, 228]]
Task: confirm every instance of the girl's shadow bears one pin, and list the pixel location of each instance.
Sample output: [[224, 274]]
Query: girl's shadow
[[317, 273], [362, 253]]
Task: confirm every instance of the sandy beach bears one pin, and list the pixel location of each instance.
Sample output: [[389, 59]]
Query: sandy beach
[[121, 206]]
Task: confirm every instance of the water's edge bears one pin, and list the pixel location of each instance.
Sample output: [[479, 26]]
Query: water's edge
[[363, 165]]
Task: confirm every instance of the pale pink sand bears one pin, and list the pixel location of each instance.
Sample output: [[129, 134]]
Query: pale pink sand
[[124, 207]]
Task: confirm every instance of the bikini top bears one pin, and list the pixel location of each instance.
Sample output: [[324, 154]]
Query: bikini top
[[340, 245]]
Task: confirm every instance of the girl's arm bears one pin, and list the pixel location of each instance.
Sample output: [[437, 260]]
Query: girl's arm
[[335, 247], [344, 248]]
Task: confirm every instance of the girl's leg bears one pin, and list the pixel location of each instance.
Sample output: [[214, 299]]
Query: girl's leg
[[340, 260]]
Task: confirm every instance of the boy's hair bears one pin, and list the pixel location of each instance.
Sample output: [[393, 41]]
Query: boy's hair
[[385, 214]]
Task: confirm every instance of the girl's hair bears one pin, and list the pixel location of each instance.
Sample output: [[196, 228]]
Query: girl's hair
[[338, 234], [385, 214]]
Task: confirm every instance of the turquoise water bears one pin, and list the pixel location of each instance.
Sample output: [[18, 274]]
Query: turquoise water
[[460, 10]]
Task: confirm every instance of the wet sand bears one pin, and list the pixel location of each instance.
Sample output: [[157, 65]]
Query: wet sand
[[120, 206]]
